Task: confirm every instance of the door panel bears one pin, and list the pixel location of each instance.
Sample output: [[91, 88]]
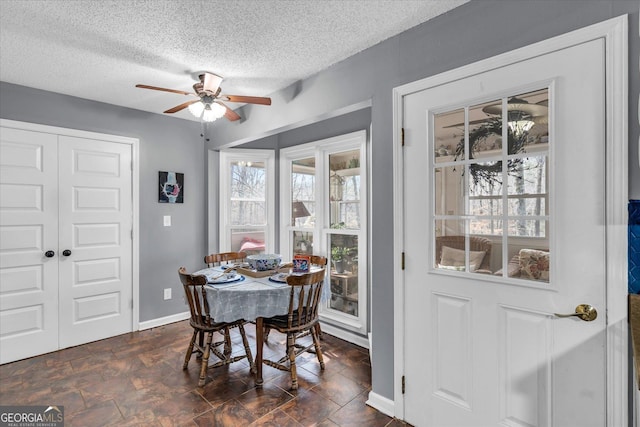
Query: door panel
[[491, 351], [28, 229], [95, 225]]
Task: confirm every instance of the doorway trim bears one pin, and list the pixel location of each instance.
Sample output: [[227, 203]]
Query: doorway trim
[[135, 194], [614, 34]]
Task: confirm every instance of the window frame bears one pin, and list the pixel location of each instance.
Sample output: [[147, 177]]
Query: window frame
[[227, 157], [322, 230]]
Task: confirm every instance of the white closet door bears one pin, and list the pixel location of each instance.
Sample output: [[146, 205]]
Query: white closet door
[[95, 226], [28, 229]]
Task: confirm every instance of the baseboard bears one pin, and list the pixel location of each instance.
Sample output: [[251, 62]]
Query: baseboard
[[345, 335], [382, 404], [154, 323]]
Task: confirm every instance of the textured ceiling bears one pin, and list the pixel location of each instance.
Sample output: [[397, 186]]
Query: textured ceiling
[[99, 49]]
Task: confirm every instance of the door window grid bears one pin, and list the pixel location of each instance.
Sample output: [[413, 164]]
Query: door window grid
[[468, 175]]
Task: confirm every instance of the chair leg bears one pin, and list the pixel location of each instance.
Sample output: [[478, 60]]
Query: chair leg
[[266, 334], [190, 350], [318, 330], [205, 360], [247, 349], [200, 343], [291, 349], [316, 343], [227, 342]]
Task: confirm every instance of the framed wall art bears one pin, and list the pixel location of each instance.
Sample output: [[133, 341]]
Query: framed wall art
[[171, 187]]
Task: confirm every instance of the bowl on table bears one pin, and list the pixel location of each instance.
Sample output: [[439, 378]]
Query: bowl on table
[[264, 262]]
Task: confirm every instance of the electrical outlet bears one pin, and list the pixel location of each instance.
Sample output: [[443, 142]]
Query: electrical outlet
[[167, 293]]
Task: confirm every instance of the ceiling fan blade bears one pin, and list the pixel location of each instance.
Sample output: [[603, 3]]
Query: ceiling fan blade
[[247, 99], [211, 82], [181, 106], [229, 114], [181, 92]]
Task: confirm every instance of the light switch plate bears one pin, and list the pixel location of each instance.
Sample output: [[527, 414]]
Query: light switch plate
[[167, 293], [167, 220]]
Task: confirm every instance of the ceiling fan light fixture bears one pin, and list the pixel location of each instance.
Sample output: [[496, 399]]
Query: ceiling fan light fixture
[[519, 121], [213, 112], [519, 127], [197, 108], [218, 110]]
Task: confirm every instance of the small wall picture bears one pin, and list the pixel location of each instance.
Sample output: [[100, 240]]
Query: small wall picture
[[171, 187]]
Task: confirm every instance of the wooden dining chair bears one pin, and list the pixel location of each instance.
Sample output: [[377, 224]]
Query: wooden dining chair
[[304, 298], [216, 259], [204, 325], [319, 261], [213, 260]]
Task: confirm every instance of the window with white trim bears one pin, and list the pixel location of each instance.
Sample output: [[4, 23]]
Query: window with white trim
[[247, 194], [324, 212]]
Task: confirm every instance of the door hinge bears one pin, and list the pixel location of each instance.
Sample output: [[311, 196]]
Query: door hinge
[[402, 261], [403, 384], [402, 136]]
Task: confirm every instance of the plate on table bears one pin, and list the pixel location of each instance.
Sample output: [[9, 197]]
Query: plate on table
[[279, 277], [226, 278]]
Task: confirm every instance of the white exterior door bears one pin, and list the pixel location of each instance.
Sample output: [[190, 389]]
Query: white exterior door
[[73, 197], [486, 350]]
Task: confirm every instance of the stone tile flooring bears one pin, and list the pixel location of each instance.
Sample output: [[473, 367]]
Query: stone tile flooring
[[136, 379]]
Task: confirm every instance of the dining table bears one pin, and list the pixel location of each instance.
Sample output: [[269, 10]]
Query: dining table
[[232, 296]]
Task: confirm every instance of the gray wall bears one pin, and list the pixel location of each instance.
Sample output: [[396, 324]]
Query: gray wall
[[166, 144], [474, 31]]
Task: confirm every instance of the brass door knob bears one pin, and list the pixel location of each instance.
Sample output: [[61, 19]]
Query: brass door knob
[[585, 312]]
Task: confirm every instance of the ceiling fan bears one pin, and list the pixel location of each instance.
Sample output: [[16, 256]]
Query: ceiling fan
[[208, 103]]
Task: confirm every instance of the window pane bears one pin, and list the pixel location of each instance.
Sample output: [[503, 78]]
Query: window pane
[[344, 273], [344, 190], [302, 242], [244, 212], [527, 175], [248, 193], [530, 206], [528, 120], [485, 130], [250, 241], [448, 128], [449, 198], [486, 226], [486, 206], [529, 262], [527, 228], [303, 180], [486, 179], [462, 253]]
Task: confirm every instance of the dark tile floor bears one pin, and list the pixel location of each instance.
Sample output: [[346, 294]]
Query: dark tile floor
[[136, 379]]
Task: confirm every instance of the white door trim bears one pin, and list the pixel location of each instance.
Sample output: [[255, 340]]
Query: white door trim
[[614, 33], [135, 159]]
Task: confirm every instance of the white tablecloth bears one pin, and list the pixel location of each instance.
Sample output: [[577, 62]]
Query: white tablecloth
[[247, 299]]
